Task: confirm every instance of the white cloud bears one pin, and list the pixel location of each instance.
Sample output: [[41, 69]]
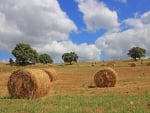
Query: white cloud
[[85, 52], [116, 45], [146, 18], [43, 25], [133, 22], [139, 21], [32, 21], [97, 15]]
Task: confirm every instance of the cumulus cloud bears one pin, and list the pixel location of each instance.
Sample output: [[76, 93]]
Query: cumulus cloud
[[43, 25], [97, 15], [145, 18], [116, 45], [33, 21], [85, 52]]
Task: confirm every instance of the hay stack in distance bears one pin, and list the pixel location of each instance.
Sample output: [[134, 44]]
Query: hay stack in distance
[[28, 84], [148, 64], [132, 64], [105, 77], [51, 72]]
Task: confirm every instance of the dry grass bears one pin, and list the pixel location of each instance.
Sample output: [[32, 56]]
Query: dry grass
[[74, 80], [71, 94]]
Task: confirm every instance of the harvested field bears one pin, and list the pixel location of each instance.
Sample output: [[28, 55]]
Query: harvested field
[[130, 81], [79, 80], [75, 89]]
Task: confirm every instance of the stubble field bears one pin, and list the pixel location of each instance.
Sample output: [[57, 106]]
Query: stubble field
[[75, 91]]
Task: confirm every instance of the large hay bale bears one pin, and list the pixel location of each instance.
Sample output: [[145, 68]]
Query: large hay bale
[[28, 83], [148, 64], [105, 77], [132, 64], [51, 73]]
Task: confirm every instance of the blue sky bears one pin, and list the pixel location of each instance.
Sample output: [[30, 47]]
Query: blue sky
[[94, 29]]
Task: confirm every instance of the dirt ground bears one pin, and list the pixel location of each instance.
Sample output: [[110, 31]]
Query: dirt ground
[[131, 80]]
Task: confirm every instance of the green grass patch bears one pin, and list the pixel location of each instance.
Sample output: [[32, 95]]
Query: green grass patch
[[111, 103]]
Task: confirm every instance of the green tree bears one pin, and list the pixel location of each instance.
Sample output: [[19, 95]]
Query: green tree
[[70, 57], [11, 62], [136, 52], [24, 54], [45, 58]]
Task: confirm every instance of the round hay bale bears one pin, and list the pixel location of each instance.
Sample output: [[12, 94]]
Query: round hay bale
[[105, 77], [28, 84], [103, 64], [132, 64], [148, 64], [51, 73]]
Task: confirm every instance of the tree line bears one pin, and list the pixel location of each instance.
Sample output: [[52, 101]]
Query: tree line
[[26, 55]]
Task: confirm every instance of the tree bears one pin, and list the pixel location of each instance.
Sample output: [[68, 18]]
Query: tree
[[70, 57], [11, 62], [45, 58], [25, 54], [137, 52]]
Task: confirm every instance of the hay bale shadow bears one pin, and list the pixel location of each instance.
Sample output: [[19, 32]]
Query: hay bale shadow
[[148, 105], [5, 97], [91, 86]]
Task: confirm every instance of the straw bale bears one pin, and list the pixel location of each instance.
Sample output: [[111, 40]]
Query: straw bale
[[105, 77], [51, 73], [148, 64], [28, 84], [132, 64]]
